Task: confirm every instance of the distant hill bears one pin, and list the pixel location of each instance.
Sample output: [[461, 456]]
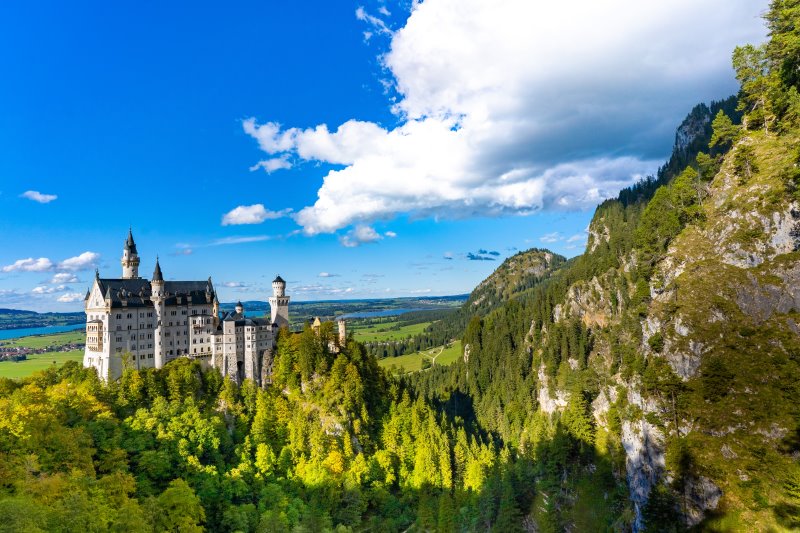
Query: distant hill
[[19, 318]]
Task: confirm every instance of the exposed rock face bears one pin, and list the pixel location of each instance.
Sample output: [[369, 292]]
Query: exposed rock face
[[644, 462], [701, 495], [693, 127], [546, 403]]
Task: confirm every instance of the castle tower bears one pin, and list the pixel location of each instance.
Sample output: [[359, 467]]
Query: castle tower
[[342, 332], [215, 311], [279, 303], [239, 308], [130, 258], [158, 298]]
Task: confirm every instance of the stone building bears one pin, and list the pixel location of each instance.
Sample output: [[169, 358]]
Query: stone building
[[141, 323]]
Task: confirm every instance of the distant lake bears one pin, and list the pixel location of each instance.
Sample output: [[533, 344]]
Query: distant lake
[[385, 312], [27, 332]]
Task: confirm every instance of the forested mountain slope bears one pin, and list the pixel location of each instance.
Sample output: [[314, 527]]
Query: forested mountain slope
[[665, 361]]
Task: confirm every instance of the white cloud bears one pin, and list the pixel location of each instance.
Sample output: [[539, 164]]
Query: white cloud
[[322, 290], [44, 289], [251, 214], [271, 165], [551, 237], [578, 237], [234, 284], [359, 235], [327, 275], [70, 297], [511, 107], [30, 264], [391, 234], [239, 240], [36, 196], [84, 261], [419, 291], [64, 277]]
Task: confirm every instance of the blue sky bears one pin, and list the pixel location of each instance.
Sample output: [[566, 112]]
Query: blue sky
[[370, 147]]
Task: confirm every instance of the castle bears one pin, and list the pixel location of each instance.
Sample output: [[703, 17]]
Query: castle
[[140, 323]]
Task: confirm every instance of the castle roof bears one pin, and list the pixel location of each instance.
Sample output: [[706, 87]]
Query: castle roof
[[157, 275], [278, 279], [136, 292], [241, 320], [130, 245]]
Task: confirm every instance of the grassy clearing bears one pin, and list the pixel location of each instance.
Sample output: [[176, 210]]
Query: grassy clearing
[[35, 363], [42, 341], [384, 332], [413, 362]]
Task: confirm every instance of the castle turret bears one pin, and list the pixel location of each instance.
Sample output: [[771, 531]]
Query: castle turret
[[130, 258], [158, 298], [239, 308], [342, 332], [279, 303], [215, 311]]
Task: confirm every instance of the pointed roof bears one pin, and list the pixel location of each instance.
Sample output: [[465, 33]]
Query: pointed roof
[[130, 245], [278, 279], [108, 293], [88, 293], [239, 304], [157, 275]]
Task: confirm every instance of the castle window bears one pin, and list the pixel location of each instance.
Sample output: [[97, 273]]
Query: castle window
[[119, 315], [129, 327], [130, 316]]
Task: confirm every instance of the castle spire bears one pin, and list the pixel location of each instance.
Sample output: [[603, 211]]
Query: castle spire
[[157, 275]]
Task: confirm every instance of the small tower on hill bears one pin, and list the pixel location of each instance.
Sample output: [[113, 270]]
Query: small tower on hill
[[130, 258], [342, 332]]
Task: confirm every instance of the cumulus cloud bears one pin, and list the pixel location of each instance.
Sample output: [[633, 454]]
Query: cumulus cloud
[[327, 275], [551, 237], [30, 264], [234, 284], [36, 196], [70, 297], [84, 261], [251, 214], [322, 290], [64, 277], [391, 234], [360, 235], [512, 107], [44, 289], [271, 165]]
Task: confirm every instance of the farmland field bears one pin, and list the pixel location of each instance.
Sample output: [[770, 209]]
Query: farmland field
[[384, 332], [413, 362], [34, 363]]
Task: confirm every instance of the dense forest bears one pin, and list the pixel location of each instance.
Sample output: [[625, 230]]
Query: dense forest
[[649, 384]]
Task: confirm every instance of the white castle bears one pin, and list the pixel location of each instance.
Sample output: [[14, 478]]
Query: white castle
[[138, 323]]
